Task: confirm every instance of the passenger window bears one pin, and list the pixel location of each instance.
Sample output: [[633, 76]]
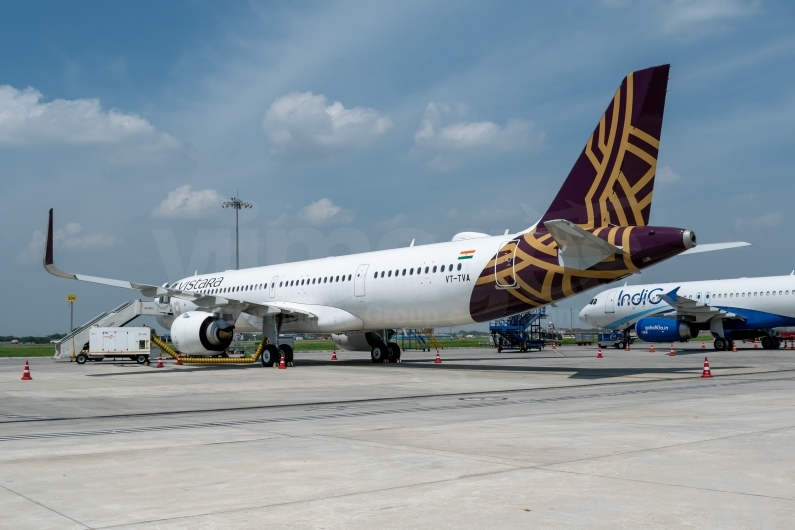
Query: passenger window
[[426, 270], [325, 279], [442, 269], [382, 274], [375, 275], [397, 271], [450, 268], [411, 271], [459, 267], [434, 268], [349, 277], [390, 274], [404, 272]]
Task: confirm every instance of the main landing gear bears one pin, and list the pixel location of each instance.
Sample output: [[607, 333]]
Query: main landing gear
[[723, 344], [385, 353], [272, 354], [771, 343]]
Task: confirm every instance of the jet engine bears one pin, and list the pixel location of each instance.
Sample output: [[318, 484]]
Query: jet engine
[[201, 333], [655, 329]]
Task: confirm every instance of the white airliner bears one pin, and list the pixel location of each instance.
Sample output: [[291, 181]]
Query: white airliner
[[742, 308], [595, 232]]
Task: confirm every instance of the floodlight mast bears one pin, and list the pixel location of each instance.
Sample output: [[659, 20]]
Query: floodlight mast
[[237, 204]]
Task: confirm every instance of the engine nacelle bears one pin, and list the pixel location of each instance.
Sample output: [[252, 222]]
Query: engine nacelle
[[352, 341], [201, 333], [655, 329]]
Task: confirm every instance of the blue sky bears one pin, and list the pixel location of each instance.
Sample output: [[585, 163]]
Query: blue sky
[[370, 124]]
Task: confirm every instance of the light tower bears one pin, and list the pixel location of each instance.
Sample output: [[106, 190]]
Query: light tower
[[237, 204]]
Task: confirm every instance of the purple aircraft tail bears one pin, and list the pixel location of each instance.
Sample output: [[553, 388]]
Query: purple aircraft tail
[[613, 179]]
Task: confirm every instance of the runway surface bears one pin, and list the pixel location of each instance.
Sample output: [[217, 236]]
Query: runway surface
[[485, 439]]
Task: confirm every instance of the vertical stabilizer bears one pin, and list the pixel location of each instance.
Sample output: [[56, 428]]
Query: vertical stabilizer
[[613, 179]]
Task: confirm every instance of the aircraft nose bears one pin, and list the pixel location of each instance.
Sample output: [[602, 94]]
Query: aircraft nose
[[583, 314]]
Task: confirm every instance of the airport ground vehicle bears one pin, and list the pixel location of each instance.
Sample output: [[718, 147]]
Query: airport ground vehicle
[[132, 343], [617, 338], [583, 339]]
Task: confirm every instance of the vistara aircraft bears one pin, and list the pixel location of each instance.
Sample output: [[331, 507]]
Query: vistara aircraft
[[595, 232]]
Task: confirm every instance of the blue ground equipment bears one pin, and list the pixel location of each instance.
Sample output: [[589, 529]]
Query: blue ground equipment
[[520, 332]]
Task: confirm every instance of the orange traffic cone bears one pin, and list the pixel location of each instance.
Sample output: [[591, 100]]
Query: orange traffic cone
[[179, 359], [334, 355], [706, 371], [756, 346], [160, 361], [734, 347], [26, 373], [599, 355], [672, 353], [626, 348], [554, 346], [703, 345], [282, 366], [651, 348], [438, 357]]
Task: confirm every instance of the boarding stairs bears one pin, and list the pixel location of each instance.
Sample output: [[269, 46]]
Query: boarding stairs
[[69, 346], [412, 339], [520, 332]]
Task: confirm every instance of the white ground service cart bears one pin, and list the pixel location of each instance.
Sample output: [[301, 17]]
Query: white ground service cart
[[132, 343]]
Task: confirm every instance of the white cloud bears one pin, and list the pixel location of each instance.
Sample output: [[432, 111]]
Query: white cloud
[[680, 16], [459, 140], [303, 125], [393, 223], [68, 237], [26, 120], [325, 212], [183, 203], [667, 176], [765, 221]]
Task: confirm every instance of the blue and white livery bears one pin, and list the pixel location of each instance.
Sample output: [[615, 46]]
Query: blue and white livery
[[741, 308]]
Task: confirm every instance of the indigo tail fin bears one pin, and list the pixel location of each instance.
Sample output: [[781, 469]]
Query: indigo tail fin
[[613, 179]]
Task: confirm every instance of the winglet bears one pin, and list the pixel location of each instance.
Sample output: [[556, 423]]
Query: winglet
[[49, 264], [671, 297]]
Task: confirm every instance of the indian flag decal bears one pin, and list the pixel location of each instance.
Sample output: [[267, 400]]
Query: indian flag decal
[[466, 254]]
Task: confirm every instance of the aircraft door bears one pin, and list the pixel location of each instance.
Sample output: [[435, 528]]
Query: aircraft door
[[273, 286], [610, 302], [358, 280], [505, 275]]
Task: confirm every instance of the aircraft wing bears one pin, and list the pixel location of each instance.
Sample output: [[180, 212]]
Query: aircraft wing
[[151, 291], [692, 310]]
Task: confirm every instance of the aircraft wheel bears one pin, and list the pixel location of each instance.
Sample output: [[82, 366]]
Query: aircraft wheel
[[720, 344], [394, 351], [729, 344], [140, 359], [768, 343], [288, 353], [379, 353], [777, 342], [270, 355]]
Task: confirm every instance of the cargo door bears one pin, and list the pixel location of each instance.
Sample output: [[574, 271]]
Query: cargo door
[[504, 265], [358, 280], [273, 286], [610, 302]]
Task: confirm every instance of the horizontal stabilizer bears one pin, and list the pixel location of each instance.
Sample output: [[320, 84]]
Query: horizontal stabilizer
[[714, 246], [578, 248]]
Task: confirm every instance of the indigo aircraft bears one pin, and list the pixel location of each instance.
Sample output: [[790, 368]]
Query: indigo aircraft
[[596, 231], [742, 308]]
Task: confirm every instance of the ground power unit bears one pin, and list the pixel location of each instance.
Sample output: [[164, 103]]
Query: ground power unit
[[129, 342]]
